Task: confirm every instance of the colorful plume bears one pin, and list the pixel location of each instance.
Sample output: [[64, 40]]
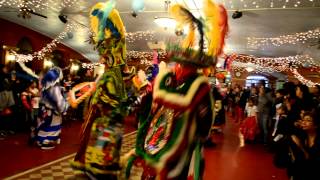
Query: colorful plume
[[217, 20], [183, 17]]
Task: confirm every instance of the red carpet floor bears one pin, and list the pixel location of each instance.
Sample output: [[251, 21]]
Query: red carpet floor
[[16, 156], [229, 161], [226, 161]]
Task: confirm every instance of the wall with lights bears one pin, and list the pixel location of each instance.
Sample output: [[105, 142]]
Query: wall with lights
[[11, 33]]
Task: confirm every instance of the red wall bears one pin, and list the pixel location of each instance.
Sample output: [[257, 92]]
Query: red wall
[[11, 33]]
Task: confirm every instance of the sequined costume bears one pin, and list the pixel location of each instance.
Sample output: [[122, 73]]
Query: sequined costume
[[101, 136], [170, 139], [52, 105]]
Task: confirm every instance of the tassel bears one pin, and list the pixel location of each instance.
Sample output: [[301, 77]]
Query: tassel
[[217, 27]]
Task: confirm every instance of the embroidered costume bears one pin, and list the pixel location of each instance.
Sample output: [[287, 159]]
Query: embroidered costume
[[52, 105], [101, 136], [170, 139]]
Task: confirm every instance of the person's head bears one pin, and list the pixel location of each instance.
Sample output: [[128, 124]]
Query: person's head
[[13, 75], [3, 69], [254, 90], [33, 84], [250, 101], [262, 83], [302, 91], [280, 93], [309, 122], [281, 109], [261, 90]]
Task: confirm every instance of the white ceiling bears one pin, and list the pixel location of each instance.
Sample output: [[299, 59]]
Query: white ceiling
[[256, 22]]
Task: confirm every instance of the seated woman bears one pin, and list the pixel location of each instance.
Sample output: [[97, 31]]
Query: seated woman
[[306, 150]]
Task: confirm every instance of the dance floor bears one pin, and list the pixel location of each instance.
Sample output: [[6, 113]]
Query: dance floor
[[229, 160], [60, 169]]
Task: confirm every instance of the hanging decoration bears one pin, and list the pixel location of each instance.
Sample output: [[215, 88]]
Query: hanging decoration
[[90, 66], [37, 5], [144, 55], [303, 80], [301, 37], [139, 35], [48, 48], [279, 64], [256, 4]]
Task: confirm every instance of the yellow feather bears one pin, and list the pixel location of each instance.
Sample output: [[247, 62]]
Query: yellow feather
[[94, 20], [211, 12], [116, 19], [217, 22], [183, 18]]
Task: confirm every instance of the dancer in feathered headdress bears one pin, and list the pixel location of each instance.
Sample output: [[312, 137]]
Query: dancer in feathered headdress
[[102, 130], [170, 139]]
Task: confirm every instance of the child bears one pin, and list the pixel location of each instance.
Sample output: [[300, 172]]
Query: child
[[248, 128], [281, 125]]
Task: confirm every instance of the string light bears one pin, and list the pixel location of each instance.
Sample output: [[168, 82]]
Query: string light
[[303, 80], [144, 55], [279, 64], [48, 48], [37, 5], [301, 37], [139, 35], [90, 66]]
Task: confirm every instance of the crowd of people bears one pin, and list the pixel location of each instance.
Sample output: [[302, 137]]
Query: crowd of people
[[176, 108], [20, 96], [285, 120]]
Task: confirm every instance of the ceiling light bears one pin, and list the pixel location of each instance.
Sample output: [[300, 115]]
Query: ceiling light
[[165, 22]]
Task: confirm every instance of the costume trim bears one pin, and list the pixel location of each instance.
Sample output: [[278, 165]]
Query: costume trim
[[175, 98]]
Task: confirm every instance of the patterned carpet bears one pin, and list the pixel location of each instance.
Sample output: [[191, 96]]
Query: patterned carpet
[[60, 169]]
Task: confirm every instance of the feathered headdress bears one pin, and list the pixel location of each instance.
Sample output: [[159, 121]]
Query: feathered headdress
[[216, 27], [109, 33]]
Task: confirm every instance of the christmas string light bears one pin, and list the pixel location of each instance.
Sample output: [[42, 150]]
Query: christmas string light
[[144, 55], [303, 80], [280, 64], [90, 66], [48, 48], [139, 35], [256, 4], [37, 5], [301, 37]]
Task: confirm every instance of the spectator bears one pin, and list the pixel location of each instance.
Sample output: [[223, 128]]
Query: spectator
[[264, 109], [6, 103], [306, 150]]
